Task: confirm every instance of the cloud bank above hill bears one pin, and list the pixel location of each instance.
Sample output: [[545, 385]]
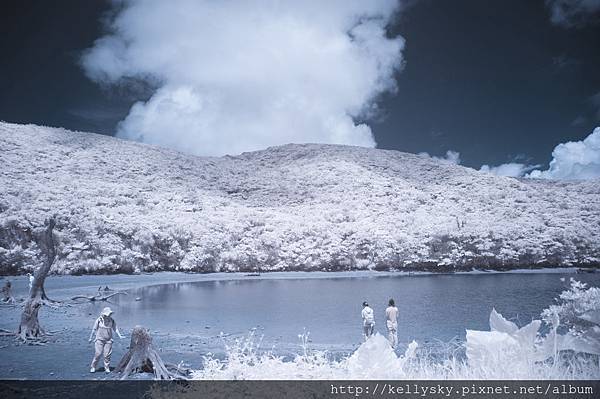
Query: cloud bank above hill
[[451, 156], [233, 76], [511, 169], [573, 160]]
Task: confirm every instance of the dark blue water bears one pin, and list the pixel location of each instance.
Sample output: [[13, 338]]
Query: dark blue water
[[432, 307]]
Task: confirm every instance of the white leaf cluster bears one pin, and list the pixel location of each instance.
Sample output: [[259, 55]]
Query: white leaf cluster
[[578, 310]]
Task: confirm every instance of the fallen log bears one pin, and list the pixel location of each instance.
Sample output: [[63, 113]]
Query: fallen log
[[97, 297]]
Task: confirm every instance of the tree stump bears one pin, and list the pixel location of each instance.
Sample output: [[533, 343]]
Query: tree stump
[[30, 325], [6, 293], [142, 357]]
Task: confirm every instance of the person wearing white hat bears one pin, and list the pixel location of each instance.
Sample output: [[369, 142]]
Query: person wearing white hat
[[103, 330], [368, 320]]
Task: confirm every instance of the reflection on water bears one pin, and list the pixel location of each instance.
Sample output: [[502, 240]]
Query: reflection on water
[[433, 307]]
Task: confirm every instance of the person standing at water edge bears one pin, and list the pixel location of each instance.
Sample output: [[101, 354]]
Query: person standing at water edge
[[368, 320], [103, 329], [31, 278], [391, 321]]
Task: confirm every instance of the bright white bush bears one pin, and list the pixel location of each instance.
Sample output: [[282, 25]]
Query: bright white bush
[[578, 312]]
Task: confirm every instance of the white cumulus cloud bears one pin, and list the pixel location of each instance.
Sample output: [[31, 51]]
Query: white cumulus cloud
[[451, 156], [574, 160], [235, 76], [511, 169]]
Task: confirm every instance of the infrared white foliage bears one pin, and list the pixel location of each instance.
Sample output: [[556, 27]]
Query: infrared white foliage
[[130, 207]]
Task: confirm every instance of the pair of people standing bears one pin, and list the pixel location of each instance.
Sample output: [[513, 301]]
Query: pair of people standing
[[391, 321]]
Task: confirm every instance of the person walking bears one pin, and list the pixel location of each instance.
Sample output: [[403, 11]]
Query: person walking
[[391, 321], [368, 320], [103, 330]]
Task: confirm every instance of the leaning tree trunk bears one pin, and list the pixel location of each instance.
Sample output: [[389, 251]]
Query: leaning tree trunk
[[30, 325], [142, 357]]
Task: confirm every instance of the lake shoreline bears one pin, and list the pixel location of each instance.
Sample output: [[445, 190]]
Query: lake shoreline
[[352, 273], [215, 310], [124, 282]]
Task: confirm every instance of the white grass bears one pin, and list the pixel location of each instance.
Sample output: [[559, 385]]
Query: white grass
[[376, 360]]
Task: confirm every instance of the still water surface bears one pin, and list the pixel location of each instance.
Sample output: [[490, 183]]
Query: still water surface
[[432, 307]]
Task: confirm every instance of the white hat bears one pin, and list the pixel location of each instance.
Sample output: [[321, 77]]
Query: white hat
[[107, 311]]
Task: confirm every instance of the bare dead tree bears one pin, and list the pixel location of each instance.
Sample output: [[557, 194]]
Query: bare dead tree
[[29, 328], [142, 357]]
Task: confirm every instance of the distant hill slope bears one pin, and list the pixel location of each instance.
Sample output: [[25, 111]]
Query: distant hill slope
[[128, 207]]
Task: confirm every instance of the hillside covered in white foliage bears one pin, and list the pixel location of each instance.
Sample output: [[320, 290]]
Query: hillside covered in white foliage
[[127, 207]]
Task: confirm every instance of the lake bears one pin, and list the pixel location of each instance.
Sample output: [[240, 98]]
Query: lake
[[431, 307]]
